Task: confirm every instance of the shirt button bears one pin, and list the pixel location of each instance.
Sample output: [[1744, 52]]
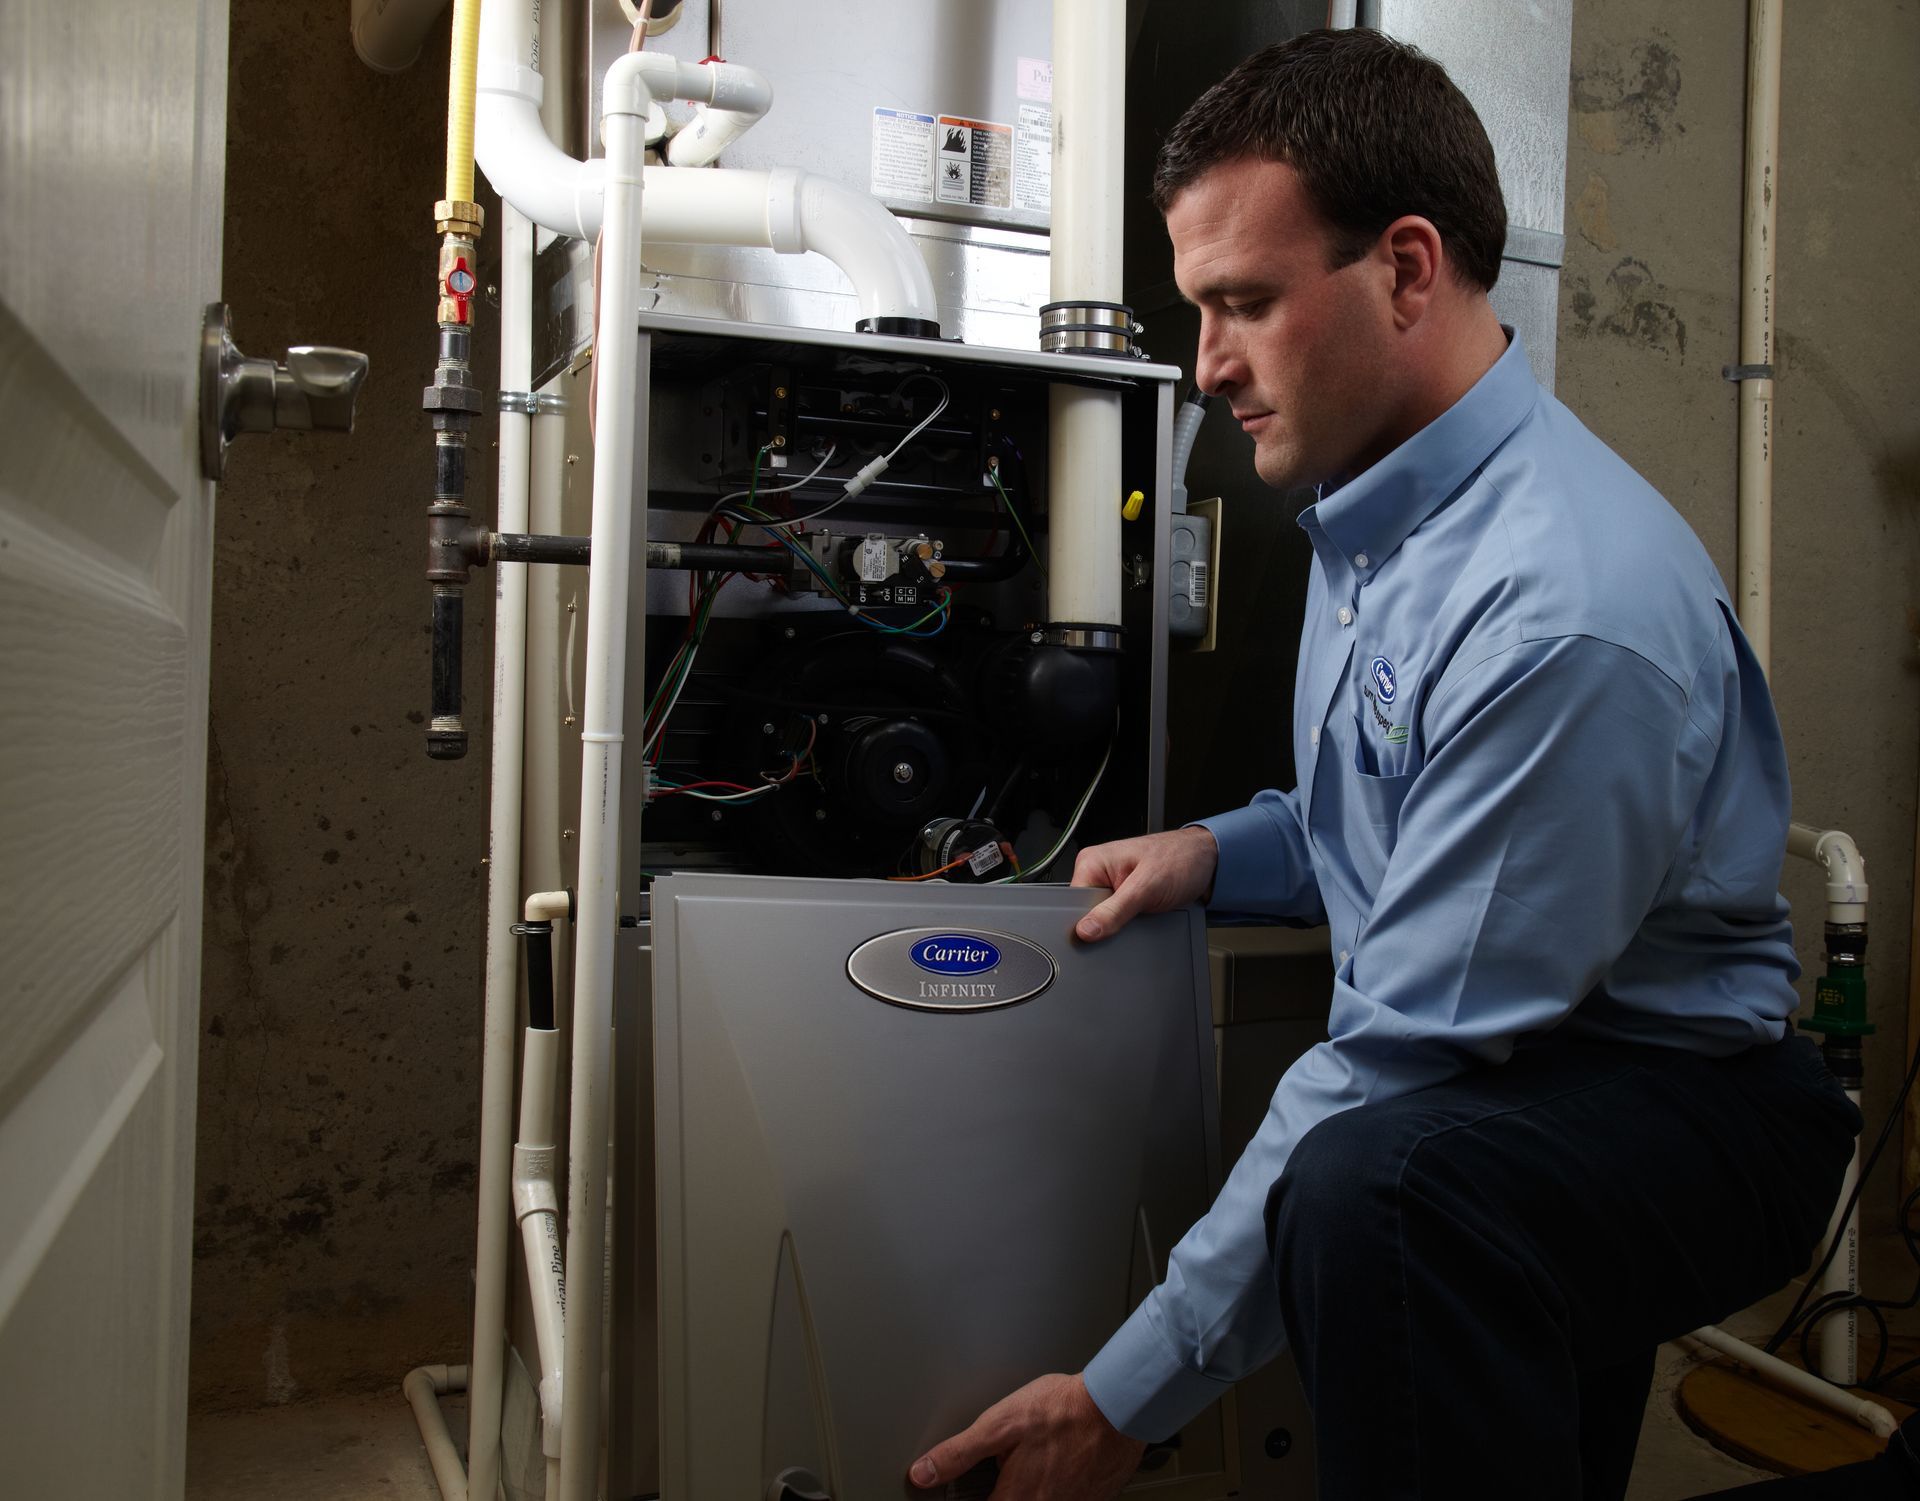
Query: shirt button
[[1359, 560], [1343, 615], [1344, 956]]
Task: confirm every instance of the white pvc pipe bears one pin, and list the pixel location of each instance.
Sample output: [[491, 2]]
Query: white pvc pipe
[[713, 128], [1869, 1415], [537, 1206], [1755, 594], [790, 212], [1083, 467], [492, 1247], [1837, 1340], [1836, 853], [423, 1387], [388, 33], [633, 82]]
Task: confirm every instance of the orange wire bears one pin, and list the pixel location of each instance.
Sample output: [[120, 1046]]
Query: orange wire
[[950, 865]]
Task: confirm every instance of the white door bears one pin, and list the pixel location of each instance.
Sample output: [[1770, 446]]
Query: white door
[[112, 151]]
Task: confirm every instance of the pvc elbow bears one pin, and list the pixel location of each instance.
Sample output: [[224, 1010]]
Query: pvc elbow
[[857, 233], [525, 167], [549, 906], [1837, 854]]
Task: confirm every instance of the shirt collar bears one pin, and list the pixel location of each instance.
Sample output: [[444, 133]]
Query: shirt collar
[[1369, 516]]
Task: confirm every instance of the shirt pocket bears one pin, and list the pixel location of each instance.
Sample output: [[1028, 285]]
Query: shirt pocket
[[1377, 794]]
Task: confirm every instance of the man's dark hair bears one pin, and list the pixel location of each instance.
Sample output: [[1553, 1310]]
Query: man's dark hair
[[1375, 129]]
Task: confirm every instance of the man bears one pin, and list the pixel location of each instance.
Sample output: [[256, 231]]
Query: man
[[1542, 804]]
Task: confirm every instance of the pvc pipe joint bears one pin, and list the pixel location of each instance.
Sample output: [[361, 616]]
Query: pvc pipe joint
[[1836, 853]]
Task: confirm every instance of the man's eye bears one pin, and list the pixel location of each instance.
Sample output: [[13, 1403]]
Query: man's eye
[[1246, 309]]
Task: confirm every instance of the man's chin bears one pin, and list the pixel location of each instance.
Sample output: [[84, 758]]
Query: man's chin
[[1279, 471]]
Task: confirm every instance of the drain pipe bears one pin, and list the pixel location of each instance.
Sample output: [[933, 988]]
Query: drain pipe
[[1840, 1016], [491, 1246], [536, 1203], [1754, 373], [1869, 1415], [423, 1387], [633, 83]]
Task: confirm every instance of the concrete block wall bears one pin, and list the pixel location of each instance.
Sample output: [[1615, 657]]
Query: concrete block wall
[[344, 924], [1649, 313]]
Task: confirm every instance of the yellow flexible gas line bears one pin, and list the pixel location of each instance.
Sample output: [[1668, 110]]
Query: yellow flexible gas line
[[460, 83]]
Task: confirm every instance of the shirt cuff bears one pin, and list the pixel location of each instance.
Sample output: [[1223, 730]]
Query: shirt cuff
[[1142, 1388], [1243, 880]]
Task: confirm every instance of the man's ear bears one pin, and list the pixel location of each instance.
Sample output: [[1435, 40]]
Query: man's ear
[[1418, 257]]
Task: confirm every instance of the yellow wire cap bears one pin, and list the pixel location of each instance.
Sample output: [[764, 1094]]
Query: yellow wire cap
[[1135, 503]]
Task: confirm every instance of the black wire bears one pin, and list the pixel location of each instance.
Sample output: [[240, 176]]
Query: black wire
[[1877, 1376], [1800, 1310]]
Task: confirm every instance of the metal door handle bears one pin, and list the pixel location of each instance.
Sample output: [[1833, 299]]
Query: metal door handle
[[312, 392]]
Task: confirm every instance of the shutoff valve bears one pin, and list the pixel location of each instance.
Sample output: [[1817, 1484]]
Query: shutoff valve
[[312, 392]]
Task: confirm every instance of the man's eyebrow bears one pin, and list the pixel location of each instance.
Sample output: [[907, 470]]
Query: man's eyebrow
[[1222, 290]]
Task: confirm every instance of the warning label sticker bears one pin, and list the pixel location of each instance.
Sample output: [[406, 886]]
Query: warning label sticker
[[975, 163], [1033, 159], [902, 155]]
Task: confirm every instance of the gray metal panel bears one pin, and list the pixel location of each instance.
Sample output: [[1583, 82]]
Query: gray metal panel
[[875, 1221], [832, 65], [1527, 298], [1512, 62], [1081, 369]]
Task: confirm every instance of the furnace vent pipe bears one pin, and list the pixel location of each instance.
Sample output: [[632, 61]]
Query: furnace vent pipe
[[789, 212], [1083, 466]]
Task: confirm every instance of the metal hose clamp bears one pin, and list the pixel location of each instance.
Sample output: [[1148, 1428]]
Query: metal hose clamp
[[1090, 328]]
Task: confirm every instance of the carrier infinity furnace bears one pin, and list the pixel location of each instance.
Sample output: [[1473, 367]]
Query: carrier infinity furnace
[[915, 1146]]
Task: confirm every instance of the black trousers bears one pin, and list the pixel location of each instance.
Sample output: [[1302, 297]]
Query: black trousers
[[1474, 1277]]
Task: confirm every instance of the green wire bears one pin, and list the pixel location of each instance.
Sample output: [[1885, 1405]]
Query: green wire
[[898, 630], [994, 475]]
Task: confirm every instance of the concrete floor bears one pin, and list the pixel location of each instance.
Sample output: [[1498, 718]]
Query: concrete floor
[[341, 1450], [367, 1446]]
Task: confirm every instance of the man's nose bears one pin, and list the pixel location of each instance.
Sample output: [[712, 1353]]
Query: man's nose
[[1217, 366]]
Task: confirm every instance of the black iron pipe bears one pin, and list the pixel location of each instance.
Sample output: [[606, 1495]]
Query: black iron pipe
[[520, 547], [707, 557], [446, 733]]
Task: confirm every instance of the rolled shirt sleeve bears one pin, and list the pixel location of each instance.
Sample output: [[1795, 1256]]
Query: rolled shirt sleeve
[[1558, 782]]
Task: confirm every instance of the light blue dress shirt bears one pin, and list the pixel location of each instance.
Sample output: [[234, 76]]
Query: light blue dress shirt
[[1541, 786]]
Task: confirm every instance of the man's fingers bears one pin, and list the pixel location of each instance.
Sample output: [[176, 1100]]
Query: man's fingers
[[1113, 914], [952, 1458]]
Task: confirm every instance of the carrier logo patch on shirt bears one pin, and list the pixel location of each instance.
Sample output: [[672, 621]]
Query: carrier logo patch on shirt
[[1383, 680]]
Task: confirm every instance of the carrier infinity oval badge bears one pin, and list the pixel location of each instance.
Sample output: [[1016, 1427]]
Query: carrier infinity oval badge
[[942, 969]]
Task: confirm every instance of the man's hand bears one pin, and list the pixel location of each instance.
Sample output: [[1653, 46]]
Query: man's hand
[[1155, 873], [1053, 1444]]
